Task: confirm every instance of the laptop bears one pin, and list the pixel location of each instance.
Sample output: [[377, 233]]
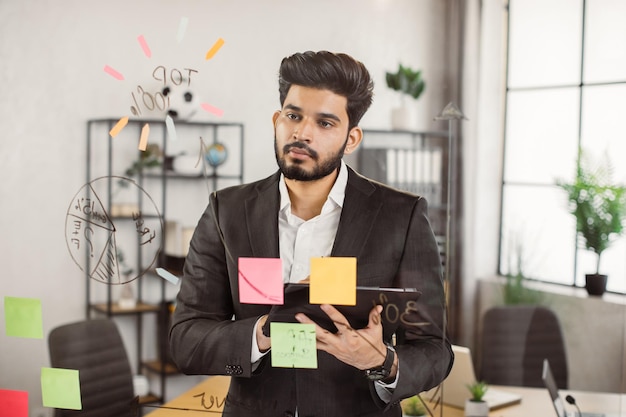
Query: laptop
[[553, 390], [455, 391]]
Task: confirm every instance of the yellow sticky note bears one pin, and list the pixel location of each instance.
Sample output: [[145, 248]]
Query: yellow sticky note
[[60, 388], [118, 126], [333, 281], [143, 140], [216, 47]]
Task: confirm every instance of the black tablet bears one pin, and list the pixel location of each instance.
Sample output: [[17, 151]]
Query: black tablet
[[399, 306]]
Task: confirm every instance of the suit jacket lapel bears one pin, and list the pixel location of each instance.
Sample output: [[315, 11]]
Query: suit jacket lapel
[[360, 209], [262, 218]]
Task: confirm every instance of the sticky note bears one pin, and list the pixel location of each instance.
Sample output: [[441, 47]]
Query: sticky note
[[60, 388], [171, 128], [113, 73], [216, 47], [182, 28], [333, 281], [143, 139], [23, 317], [293, 345], [121, 124], [165, 274], [261, 281], [212, 109], [13, 403], [144, 46]]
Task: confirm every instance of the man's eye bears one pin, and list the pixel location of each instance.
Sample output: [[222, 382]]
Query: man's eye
[[292, 116], [325, 124]]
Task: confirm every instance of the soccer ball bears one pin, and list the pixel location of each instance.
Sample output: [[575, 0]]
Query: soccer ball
[[182, 101]]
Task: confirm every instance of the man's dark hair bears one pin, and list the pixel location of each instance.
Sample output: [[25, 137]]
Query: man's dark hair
[[339, 73]]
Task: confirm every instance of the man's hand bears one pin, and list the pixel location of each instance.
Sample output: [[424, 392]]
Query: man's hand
[[262, 341], [363, 348]]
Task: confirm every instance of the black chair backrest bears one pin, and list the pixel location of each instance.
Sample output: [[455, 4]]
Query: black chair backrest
[[95, 348], [516, 340]]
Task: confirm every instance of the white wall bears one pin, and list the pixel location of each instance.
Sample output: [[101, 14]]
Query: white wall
[[52, 55]]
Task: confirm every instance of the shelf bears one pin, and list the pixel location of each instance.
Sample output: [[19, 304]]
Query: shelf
[[149, 398], [157, 366], [163, 183], [116, 309]]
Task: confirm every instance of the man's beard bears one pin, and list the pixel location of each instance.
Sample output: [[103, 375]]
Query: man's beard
[[296, 172]]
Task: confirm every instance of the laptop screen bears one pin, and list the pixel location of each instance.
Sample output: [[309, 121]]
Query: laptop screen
[[548, 380]]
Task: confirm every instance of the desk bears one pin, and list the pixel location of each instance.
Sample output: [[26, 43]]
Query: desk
[[536, 402], [207, 399]]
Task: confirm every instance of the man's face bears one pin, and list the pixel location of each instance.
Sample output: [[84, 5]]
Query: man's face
[[311, 133]]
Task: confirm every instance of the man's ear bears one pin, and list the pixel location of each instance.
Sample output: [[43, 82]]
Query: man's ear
[[355, 136], [275, 118]]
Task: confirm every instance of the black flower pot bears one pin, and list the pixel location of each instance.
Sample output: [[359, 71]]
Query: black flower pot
[[595, 284]]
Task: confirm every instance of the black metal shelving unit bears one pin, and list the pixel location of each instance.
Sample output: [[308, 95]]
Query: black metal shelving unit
[[102, 155]]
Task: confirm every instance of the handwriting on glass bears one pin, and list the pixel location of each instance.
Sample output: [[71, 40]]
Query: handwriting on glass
[[210, 401], [392, 313], [160, 100]]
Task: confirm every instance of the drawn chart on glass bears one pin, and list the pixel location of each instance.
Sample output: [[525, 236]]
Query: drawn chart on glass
[[92, 234]]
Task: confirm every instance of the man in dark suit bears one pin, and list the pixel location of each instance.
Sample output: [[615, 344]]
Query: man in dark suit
[[314, 206]]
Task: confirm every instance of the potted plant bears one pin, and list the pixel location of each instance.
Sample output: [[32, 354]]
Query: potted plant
[[413, 406], [409, 83], [476, 406], [599, 207]]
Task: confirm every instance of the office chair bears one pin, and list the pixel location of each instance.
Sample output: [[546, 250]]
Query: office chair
[[516, 340], [95, 348]]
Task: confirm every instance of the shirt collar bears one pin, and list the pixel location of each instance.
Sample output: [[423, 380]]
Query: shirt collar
[[336, 195]]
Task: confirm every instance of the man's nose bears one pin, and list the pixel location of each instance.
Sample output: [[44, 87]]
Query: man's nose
[[304, 131]]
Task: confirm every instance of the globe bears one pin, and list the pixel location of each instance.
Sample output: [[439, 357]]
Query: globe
[[216, 154]]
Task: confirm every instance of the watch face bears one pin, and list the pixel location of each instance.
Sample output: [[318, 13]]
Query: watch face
[[376, 374], [383, 371]]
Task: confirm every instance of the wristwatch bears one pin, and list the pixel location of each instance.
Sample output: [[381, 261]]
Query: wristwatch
[[381, 372]]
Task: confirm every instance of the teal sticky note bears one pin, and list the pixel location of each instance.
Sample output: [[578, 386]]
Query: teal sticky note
[[293, 345], [60, 388], [23, 317]]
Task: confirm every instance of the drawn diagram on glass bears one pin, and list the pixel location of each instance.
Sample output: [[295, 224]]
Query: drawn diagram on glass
[[93, 236]]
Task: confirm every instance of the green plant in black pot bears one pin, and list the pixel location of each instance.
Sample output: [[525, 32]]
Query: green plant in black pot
[[599, 206]]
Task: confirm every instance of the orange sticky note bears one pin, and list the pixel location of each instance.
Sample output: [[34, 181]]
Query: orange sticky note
[[261, 281], [121, 124], [216, 47], [333, 281], [143, 140]]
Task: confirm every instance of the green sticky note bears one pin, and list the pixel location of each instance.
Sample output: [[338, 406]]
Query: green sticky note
[[60, 388], [23, 317], [293, 345]]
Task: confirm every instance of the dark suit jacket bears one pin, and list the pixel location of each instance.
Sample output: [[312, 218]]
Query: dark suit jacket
[[386, 230]]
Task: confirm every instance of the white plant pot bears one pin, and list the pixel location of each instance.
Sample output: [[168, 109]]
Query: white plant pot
[[401, 118], [476, 409]]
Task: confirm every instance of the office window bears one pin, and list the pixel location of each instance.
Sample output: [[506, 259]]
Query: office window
[[566, 87]]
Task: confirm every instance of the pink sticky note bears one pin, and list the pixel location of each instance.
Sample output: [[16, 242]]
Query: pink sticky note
[[261, 281], [144, 46], [113, 73], [13, 403], [212, 109]]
